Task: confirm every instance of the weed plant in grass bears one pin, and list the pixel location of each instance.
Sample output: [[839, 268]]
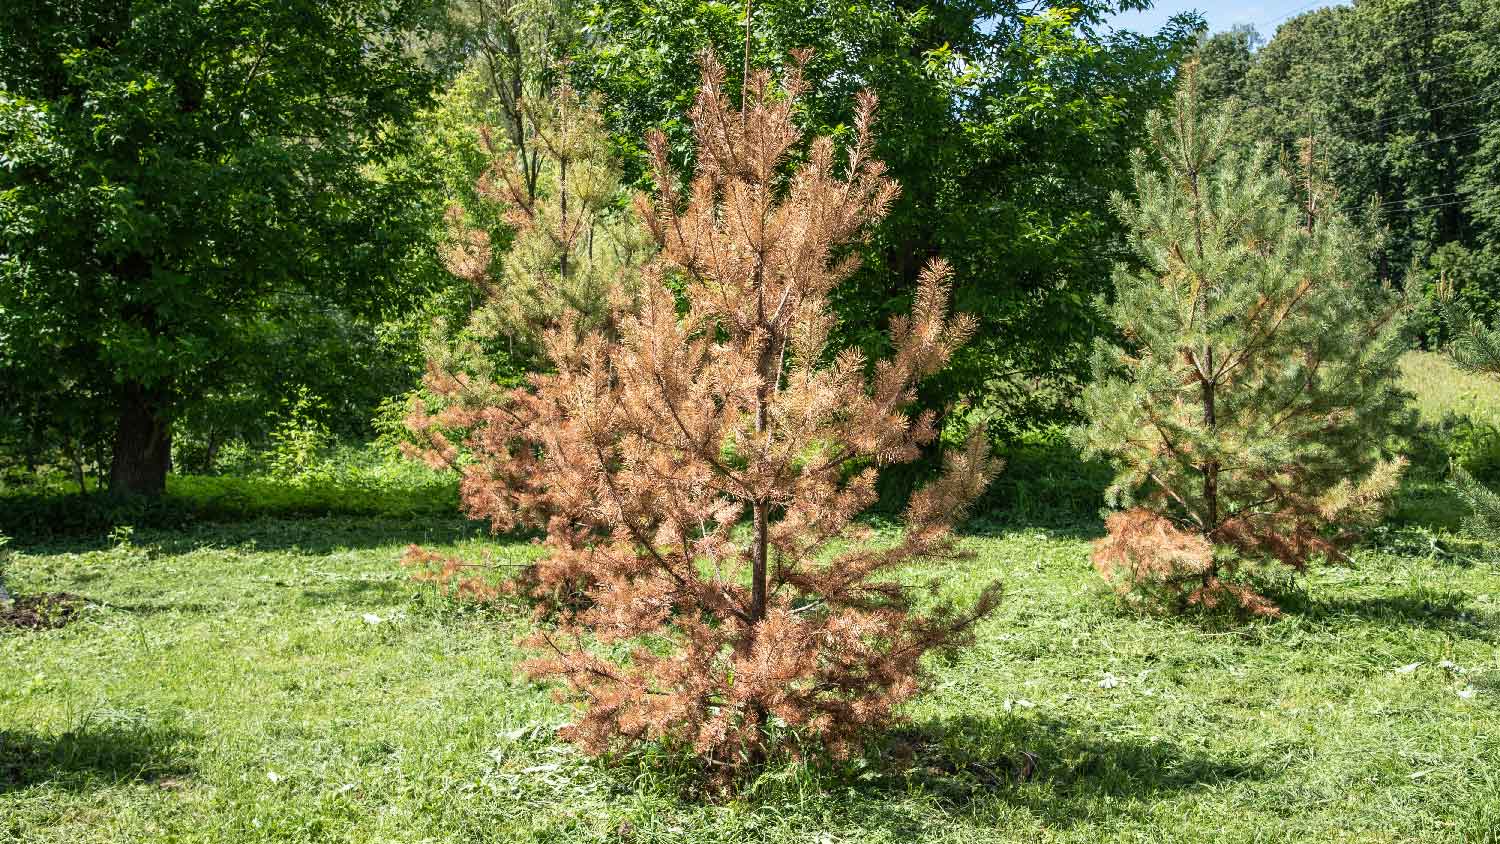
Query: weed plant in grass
[[283, 681]]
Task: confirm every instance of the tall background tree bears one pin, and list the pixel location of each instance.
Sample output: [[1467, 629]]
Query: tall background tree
[[186, 189], [1402, 99]]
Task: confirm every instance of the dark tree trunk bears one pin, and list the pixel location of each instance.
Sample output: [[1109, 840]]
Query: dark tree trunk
[[143, 443], [760, 507], [75, 456], [211, 454], [1211, 468], [33, 444]]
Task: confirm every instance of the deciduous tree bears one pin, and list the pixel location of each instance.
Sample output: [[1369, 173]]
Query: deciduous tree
[[180, 180]]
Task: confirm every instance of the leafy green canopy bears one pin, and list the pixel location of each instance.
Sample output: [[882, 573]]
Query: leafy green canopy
[[1006, 124], [184, 183], [1256, 387], [1403, 98]]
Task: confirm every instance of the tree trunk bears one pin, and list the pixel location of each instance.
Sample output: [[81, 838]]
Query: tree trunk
[[562, 196], [1206, 376], [760, 508], [758, 565], [75, 456], [143, 443], [33, 446], [1211, 468], [211, 454], [5, 596]]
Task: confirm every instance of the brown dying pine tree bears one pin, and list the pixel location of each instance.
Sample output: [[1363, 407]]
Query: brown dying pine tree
[[728, 407], [705, 461]]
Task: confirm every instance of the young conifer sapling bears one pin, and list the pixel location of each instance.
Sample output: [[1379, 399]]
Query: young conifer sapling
[[705, 459], [566, 260], [1248, 408]]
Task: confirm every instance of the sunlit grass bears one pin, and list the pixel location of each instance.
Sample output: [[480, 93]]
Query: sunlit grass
[[284, 681], [1442, 388]]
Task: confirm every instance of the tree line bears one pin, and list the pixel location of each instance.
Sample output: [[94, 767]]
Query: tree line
[[1399, 97], [206, 209]]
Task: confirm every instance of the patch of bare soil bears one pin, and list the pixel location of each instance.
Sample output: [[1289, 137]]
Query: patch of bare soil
[[42, 612]]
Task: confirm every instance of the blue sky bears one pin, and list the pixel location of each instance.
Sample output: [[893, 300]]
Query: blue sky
[[1222, 14]]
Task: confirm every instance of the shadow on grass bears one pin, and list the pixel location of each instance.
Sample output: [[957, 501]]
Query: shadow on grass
[[92, 756], [1435, 609], [933, 773], [1002, 524], [358, 593], [312, 535], [1428, 504], [1057, 769]]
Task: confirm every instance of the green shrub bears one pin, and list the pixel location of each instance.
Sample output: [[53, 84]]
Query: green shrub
[[351, 482], [301, 440], [1475, 446]]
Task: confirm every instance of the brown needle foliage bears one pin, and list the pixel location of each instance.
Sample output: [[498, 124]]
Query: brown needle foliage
[[701, 465], [1154, 563]]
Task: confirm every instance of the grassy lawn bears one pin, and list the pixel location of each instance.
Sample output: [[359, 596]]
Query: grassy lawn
[[1442, 388], [281, 679], [284, 681]]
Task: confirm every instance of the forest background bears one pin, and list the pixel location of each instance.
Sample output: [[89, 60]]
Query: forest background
[[221, 227]]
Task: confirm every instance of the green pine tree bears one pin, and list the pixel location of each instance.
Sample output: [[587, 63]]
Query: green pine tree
[[546, 237], [1483, 503], [1476, 347], [1247, 408]]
